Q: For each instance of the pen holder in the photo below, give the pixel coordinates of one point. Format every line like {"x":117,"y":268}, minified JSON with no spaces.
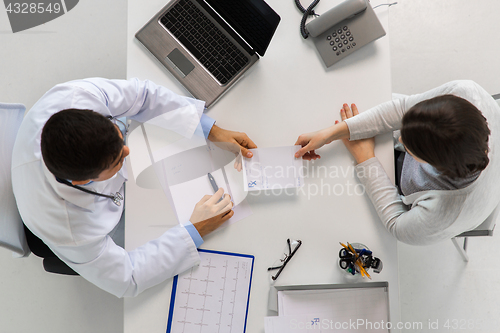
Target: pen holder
{"x":347,"y":262}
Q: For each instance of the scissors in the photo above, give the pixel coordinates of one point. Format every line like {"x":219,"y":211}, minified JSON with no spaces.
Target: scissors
{"x":347,"y":260}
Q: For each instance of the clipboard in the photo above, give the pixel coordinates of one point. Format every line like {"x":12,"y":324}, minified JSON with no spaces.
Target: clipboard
{"x":214,"y":294}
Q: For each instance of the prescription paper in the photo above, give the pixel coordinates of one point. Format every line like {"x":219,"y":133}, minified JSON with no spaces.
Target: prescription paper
{"x":273,"y":168}
{"x":184,"y":179}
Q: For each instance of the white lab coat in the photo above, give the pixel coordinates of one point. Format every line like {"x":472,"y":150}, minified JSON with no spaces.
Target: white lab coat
{"x":75,"y":225}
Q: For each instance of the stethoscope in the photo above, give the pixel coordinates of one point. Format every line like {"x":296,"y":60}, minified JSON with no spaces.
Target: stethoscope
{"x":117,"y":197}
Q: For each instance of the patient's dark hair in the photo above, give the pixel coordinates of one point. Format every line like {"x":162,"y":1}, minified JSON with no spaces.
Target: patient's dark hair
{"x":79,"y":144}
{"x":449,"y":133}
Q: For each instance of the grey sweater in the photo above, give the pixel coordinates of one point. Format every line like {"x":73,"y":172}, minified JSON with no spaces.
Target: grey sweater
{"x":416,"y":177}
{"x":426,"y":217}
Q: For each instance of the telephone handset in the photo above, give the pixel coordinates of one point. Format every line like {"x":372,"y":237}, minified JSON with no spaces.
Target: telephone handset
{"x":344,"y":11}
{"x":341,"y":30}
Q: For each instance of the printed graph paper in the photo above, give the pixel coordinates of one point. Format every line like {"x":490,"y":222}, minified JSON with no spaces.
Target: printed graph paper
{"x":212,"y":297}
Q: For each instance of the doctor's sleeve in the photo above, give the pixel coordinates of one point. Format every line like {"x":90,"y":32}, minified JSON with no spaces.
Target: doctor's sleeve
{"x":144,"y":101}
{"x":127,"y":274}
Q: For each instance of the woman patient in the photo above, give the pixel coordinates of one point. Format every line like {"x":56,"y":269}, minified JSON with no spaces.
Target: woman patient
{"x":450,"y":171}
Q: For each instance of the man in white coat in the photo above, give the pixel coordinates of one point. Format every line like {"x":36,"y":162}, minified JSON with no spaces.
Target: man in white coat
{"x":68,"y":174}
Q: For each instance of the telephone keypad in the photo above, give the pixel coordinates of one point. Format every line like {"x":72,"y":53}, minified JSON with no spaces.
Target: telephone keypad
{"x":344,"y":39}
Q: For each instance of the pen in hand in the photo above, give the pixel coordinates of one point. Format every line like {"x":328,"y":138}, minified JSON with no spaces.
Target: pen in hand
{"x":214,"y":185}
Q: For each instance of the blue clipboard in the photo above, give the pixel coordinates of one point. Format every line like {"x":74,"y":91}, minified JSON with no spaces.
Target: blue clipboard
{"x":176,"y":282}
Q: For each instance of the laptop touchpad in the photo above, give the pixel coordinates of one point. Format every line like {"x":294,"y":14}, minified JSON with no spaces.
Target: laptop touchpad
{"x":179,"y":63}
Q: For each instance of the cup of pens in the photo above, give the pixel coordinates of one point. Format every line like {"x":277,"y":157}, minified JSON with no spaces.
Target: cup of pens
{"x":356,"y":260}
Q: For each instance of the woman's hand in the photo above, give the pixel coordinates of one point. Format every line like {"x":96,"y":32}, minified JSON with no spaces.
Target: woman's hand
{"x":315,"y":140}
{"x":310,"y":142}
{"x":363,"y":149}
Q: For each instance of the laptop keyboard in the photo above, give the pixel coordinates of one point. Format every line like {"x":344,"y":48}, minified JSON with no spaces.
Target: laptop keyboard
{"x":204,"y":40}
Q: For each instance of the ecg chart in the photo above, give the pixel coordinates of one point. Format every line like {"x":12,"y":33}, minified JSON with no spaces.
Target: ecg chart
{"x":212,"y":297}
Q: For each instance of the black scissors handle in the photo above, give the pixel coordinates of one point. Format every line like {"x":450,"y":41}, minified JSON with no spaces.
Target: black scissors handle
{"x":344,"y":263}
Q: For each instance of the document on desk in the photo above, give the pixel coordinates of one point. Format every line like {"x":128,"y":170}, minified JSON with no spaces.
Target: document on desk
{"x":327,"y":310}
{"x":212,"y":297}
{"x":180,"y":166}
{"x":185,"y":194}
{"x":273,"y":168}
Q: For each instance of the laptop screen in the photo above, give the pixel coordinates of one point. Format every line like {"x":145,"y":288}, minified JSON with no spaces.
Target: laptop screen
{"x":253,"y":20}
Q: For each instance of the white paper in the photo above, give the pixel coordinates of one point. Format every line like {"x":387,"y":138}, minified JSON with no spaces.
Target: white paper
{"x":163,"y":136}
{"x":295,"y":324}
{"x":180,"y":166}
{"x":273,"y":168}
{"x":188,"y":194}
{"x":236,"y":183}
{"x":328,"y":309}
{"x":213,"y":296}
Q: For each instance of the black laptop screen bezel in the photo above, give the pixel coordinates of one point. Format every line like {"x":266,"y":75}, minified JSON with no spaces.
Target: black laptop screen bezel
{"x":259,"y":8}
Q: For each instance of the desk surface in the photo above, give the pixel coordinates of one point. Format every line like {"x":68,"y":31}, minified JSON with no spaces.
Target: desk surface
{"x":286,"y":93}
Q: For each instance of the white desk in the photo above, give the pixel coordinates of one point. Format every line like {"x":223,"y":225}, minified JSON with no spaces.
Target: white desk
{"x":287,"y":93}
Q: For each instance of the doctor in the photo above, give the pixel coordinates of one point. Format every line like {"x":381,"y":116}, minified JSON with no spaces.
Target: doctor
{"x":68,"y":175}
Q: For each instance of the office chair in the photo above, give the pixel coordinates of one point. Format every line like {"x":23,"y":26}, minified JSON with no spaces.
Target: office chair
{"x":13,"y":234}
{"x":484,"y":229}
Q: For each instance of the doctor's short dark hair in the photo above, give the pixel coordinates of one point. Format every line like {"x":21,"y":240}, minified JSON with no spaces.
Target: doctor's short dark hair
{"x":79,"y":144}
{"x":449,"y":133}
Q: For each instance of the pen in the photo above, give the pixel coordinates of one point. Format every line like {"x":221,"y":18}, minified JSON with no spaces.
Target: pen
{"x":357,"y":260}
{"x":214,"y":184}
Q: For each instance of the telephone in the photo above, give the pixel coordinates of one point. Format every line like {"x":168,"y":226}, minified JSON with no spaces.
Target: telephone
{"x":342,"y":30}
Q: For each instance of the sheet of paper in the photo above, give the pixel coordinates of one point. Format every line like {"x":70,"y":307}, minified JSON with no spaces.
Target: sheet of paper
{"x":183,"y":178}
{"x":331,"y":306}
{"x":163,"y":136}
{"x":186,"y":195}
{"x":212,"y":297}
{"x":236,"y":182}
{"x":317,"y":323}
{"x":273,"y":168}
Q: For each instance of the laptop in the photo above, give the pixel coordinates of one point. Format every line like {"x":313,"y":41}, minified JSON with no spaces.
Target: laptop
{"x":208,"y":45}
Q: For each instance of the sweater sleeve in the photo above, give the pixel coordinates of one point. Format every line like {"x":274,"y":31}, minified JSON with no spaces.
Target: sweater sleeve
{"x":419,"y":225}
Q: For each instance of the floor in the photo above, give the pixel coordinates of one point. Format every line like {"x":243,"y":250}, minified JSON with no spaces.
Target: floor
{"x":432,"y":42}
{"x":32,"y":62}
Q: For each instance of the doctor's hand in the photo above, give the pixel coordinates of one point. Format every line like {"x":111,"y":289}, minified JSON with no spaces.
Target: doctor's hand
{"x":209,"y":214}
{"x":232,"y":141}
{"x":363,"y":149}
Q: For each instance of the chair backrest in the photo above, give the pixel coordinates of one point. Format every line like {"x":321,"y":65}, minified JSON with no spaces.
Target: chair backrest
{"x":12,"y":234}
{"x":484,"y":229}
